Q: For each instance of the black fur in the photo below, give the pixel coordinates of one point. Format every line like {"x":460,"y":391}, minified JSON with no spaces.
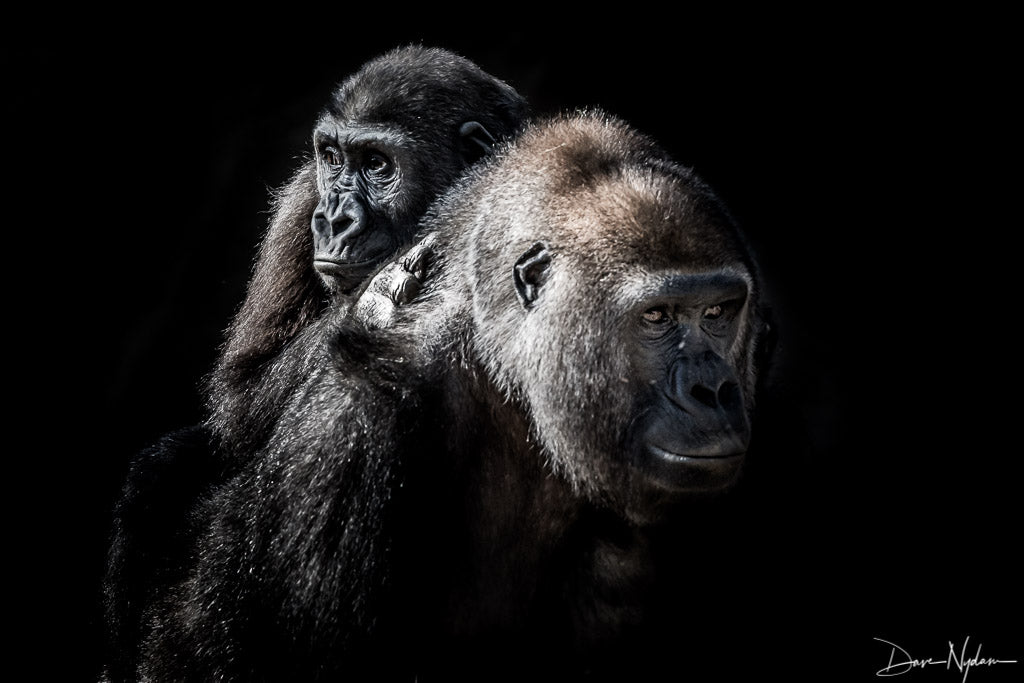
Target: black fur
{"x":467,"y":501}
{"x":424,"y":94}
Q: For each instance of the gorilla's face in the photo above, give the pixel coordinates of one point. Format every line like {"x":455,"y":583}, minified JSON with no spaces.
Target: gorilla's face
{"x":653,"y":391}
{"x":360,"y":218}
{"x":394,"y":136}
{"x":691,"y":428}
{"x":638,"y":378}
{"x":621,"y":307}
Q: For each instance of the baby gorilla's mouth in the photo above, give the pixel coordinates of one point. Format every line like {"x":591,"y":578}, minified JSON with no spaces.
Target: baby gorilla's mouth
{"x":342,"y":268}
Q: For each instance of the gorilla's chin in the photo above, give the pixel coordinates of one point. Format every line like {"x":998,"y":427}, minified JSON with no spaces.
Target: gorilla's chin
{"x":340,"y":277}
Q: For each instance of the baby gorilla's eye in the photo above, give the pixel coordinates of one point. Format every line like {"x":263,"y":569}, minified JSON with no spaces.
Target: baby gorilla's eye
{"x":656,"y":315}
{"x":376,"y":162}
{"x":331,"y":157}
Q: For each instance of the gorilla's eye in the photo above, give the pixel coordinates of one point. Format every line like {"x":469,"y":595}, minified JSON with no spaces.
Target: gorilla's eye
{"x":332,"y":157}
{"x":656,"y":316}
{"x":377,"y":163}
{"x":712,"y":312}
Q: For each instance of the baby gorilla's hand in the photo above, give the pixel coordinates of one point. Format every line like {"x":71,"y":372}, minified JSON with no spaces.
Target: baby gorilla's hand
{"x":408,"y":280}
{"x":397,"y":284}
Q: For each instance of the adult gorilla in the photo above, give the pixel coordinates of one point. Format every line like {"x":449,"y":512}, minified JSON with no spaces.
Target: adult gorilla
{"x":474,"y":490}
{"x":395,"y":135}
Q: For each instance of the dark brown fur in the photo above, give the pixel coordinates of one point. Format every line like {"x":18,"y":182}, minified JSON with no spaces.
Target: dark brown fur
{"x":463,"y":502}
{"x":426,"y":94}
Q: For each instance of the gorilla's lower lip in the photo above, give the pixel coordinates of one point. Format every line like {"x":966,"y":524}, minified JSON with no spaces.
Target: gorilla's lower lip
{"x":694,"y":472}
{"x":342,"y":268}
{"x":688,"y":457}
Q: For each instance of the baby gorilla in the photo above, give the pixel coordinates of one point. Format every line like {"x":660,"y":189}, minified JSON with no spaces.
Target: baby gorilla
{"x":394,"y":135}
{"x":475,"y":497}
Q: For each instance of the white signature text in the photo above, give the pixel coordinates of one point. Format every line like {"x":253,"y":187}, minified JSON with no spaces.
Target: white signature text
{"x":900,"y":661}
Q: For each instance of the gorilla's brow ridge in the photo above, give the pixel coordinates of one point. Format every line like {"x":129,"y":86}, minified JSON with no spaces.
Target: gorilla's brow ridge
{"x":361,"y":136}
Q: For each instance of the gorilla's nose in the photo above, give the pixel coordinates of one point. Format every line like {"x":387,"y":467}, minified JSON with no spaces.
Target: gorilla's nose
{"x":339,"y":219}
{"x":348,"y":220}
{"x":704,"y":385}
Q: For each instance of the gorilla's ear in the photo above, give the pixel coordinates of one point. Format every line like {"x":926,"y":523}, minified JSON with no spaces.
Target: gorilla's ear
{"x":475,"y":141}
{"x":531,"y":272}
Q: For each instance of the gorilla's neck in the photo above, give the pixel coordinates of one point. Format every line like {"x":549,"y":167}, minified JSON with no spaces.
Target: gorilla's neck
{"x":532,"y":552}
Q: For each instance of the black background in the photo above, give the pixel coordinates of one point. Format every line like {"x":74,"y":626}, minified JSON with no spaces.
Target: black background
{"x":145,"y":148}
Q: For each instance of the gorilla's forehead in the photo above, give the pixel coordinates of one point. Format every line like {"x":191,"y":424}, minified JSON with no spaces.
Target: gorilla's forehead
{"x":732,"y":281}
{"x":666,"y":228}
{"x":360,"y":134}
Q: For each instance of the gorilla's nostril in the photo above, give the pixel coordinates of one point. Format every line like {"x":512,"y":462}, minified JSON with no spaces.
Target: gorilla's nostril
{"x":340,"y":225}
{"x":704,"y":395}
{"x":729,"y":396}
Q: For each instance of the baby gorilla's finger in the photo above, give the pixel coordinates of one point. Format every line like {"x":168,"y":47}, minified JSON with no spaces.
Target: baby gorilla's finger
{"x":405,"y":287}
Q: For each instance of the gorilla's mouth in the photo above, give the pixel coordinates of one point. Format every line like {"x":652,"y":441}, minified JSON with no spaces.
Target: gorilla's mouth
{"x":345,"y":275}
{"x":343,"y":268}
{"x":711,"y":454}
{"x":713,"y":468}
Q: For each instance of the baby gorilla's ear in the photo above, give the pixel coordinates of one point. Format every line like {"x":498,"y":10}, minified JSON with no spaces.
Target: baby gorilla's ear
{"x":530,"y":272}
{"x":397,"y":284}
{"x":475,"y":141}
